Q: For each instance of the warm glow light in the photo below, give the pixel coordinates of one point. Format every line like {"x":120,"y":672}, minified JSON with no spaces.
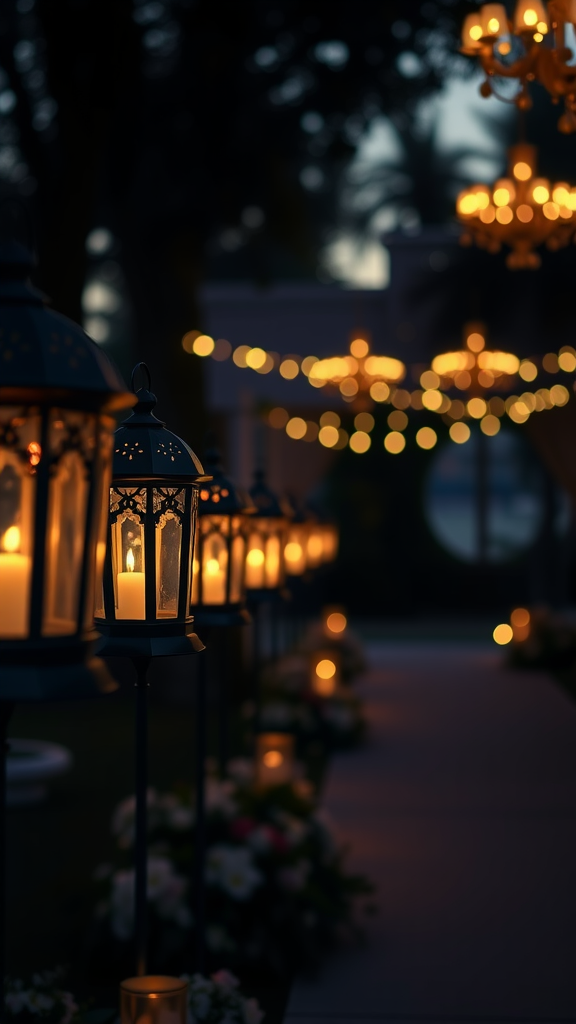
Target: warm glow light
{"x":394,"y":442}
{"x":289,"y":369}
{"x":467,"y":203}
{"x":559,"y":395}
{"x":567,"y":362}
{"x":330,"y":419}
{"x":397,"y":420}
{"x":525,"y":213}
{"x":379,"y":391}
{"x":490,"y":425}
{"x":540,"y":194}
{"x":328,"y":436}
{"x":504,"y":215}
{"x":477,"y":408}
{"x":11,"y":540}
{"x":255,"y":557}
{"x":475,"y":32}
{"x":360,"y":442}
{"x":325,"y":669}
{"x":493,"y":26}
{"x":429,"y":380}
{"x":385,"y":366}
{"x":212,"y":567}
{"x":293,"y":552}
{"x":255,"y":358}
{"x":364,"y":421}
{"x":528,"y":371}
{"x":239,"y":356}
{"x":503,"y":634}
{"x":359,"y":348}
{"x":203,"y":345}
{"x":520,"y":617}
{"x":336,"y":622}
{"x":296,"y":428}
{"x":307,"y":364}
{"x":522,"y":171}
{"x":130,"y":560}
{"x":426,"y":438}
{"x":272,"y":758}
{"x":349,"y":387}
{"x":488,"y":215}
{"x":278,"y":418}
{"x":459,"y":432}
{"x":501,"y":197}
{"x":432,"y":400}
{"x":475,"y":341}
{"x":551,"y":211}
{"x":530,"y":17}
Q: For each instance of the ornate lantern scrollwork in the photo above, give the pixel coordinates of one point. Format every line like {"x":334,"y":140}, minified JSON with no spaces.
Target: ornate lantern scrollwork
{"x":145,"y":605}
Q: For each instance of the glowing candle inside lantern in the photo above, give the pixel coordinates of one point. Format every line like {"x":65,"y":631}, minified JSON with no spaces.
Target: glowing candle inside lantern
{"x":131,"y":591}
{"x":255,"y":569}
{"x":15,"y":572}
{"x":153,"y":999}
{"x":213,"y":582}
{"x":325,"y":676}
{"x":295,"y":558}
{"x":275,"y":758}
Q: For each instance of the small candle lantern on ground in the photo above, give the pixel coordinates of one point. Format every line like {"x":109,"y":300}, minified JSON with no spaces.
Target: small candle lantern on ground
{"x":56,"y":390}
{"x":274,"y":758}
{"x":155,"y":999}
{"x":145,"y":605}
{"x":325,"y":673}
{"x":218,"y":587}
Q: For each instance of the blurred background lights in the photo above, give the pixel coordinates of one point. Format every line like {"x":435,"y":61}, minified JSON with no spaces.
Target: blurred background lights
{"x":336,"y":622}
{"x":503,"y":634}
{"x":477,"y":408}
{"x":397,"y":420}
{"x":379,"y":391}
{"x":255,"y":358}
{"x":360,"y":442}
{"x":364,"y":421}
{"x":203,"y":345}
{"x":567,"y":360}
{"x":528,"y":370}
{"x":296,"y":428}
{"x":359,"y":348}
{"x":330,"y":419}
{"x":326,"y":669}
{"x":459,"y":432}
{"x":222,"y":350}
{"x":239,"y":356}
{"x":520,"y":617}
{"x":426,"y":438}
{"x":490,"y":425}
{"x":394,"y":442}
{"x":278,"y":418}
{"x":99,"y":241}
{"x":328,"y":436}
{"x":289,"y":369}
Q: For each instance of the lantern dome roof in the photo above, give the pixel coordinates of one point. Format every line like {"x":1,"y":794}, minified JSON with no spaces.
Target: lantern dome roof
{"x":144,"y":447}
{"x":221,"y":496}
{"x":263,"y":498}
{"x":44,"y":356}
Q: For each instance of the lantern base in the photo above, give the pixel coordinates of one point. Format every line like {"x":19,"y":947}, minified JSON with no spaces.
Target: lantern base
{"x":226,"y":615}
{"x":46,"y":682}
{"x":122,"y":646}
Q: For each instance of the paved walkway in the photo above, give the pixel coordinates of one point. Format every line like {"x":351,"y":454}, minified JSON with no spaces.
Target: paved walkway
{"x":462,"y":808}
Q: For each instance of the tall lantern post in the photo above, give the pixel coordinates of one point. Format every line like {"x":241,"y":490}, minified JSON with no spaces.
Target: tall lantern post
{"x":143,"y":610}
{"x":57,"y":389}
{"x":218,"y":602}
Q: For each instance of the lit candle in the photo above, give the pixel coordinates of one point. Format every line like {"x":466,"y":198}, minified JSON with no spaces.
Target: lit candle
{"x":131,"y":591}
{"x":15,"y":571}
{"x":275,"y":758}
{"x":153,"y":999}
{"x":255,"y":569}
{"x":213,"y":583}
{"x":325,"y":673}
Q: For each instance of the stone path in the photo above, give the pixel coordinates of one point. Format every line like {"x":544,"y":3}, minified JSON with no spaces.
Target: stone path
{"x":462,"y":808}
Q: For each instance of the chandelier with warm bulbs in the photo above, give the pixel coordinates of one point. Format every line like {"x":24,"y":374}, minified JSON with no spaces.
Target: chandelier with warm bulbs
{"x":530,"y":47}
{"x":359,"y":373}
{"x":520,"y":211}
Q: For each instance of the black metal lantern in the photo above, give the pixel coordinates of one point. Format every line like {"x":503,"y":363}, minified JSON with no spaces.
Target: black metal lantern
{"x":266,"y":532}
{"x":56,"y":388}
{"x":218,"y":589}
{"x":144,"y":609}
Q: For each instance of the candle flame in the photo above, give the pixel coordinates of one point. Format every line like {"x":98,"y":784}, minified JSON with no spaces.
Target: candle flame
{"x":130,"y":560}
{"x":272,"y":759}
{"x":11,"y":539}
{"x":255,"y":557}
{"x":212,"y":566}
{"x":325,"y":669}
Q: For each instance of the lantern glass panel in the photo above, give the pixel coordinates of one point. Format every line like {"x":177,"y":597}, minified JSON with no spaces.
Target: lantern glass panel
{"x":264,"y":562}
{"x":295,"y":550}
{"x":102,"y":484}
{"x":315,"y":547}
{"x":238,"y":561}
{"x":214,"y":558}
{"x":127,"y":533}
{"x":66,"y":528}
{"x":169,"y":504}
{"x":19,"y":455}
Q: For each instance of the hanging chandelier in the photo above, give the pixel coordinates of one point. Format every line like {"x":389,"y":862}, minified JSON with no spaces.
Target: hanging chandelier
{"x":520,"y":211}
{"x":359,"y":373}
{"x":529,"y":48}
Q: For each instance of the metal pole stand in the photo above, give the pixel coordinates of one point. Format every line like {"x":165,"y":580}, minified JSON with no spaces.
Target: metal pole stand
{"x":141,"y":665}
{"x":6,"y":710}
{"x":198,"y":867}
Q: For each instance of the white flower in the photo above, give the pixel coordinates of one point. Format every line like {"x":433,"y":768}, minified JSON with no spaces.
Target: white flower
{"x":219,"y":797}
{"x":166,"y":890}
{"x":232,"y":869}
